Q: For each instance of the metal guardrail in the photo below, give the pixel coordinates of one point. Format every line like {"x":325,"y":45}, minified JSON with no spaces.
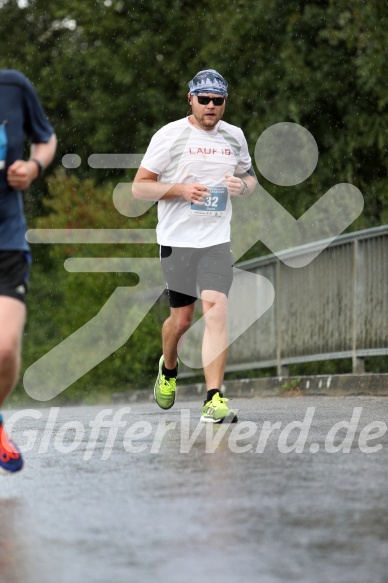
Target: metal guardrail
{"x":335,"y":307}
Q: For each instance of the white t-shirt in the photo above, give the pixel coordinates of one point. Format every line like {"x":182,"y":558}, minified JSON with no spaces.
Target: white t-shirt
{"x":182,"y":153}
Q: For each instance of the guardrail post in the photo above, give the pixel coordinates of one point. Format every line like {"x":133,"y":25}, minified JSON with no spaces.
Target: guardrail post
{"x":358,"y":363}
{"x":281,"y":369}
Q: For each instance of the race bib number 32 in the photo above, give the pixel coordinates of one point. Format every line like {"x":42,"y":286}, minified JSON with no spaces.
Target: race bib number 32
{"x":215,"y":203}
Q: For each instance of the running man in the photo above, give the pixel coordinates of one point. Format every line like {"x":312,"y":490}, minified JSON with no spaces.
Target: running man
{"x":193,"y":167}
{"x":21,"y":115}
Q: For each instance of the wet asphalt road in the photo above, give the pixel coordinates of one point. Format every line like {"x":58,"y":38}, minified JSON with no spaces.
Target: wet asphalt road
{"x":160,"y":502}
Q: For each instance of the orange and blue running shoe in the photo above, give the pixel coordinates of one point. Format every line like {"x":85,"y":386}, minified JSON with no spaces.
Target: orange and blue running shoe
{"x":10,"y":457}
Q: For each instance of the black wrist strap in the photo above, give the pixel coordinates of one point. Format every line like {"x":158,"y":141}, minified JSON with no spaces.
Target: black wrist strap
{"x":40,"y":166}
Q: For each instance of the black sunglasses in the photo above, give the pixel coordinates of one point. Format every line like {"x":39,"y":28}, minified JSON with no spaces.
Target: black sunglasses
{"x":206,"y":100}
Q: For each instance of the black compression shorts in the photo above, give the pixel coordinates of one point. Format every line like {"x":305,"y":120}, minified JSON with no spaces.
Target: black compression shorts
{"x":14,"y":272}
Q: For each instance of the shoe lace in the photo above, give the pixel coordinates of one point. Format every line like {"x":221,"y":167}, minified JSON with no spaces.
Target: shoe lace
{"x":167,"y":386}
{"x":217,"y":400}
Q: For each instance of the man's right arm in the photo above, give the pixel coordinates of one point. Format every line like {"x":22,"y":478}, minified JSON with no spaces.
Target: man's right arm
{"x":147,"y":187}
{"x":21,"y":173}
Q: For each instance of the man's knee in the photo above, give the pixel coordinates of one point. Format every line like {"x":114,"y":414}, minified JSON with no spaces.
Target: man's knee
{"x":215,"y":307}
{"x":9,"y":353}
{"x":181,"y":319}
{"x":183,"y":324}
{"x":216,"y":317}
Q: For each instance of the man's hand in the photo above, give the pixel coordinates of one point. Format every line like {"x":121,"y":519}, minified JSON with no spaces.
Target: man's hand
{"x":195,"y":193}
{"x":234,"y":185}
{"x":20,"y":174}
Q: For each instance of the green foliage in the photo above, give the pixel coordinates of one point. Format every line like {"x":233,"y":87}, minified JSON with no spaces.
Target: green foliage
{"x":112,"y":72}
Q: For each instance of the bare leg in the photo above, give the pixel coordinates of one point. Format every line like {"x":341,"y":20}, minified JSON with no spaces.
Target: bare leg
{"x":215,"y":339}
{"x":12,"y":318}
{"x":173,"y":329}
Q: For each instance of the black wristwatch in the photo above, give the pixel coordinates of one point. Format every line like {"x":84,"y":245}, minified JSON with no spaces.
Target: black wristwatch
{"x":40,"y":166}
{"x":245,"y":187}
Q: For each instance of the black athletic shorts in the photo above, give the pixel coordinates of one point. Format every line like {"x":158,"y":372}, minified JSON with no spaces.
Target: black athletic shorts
{"x":14,"y":272}
{"x":188,"y":271}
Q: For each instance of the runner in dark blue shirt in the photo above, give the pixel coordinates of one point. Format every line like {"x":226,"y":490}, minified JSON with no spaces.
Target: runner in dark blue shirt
{"x":21,"y":117}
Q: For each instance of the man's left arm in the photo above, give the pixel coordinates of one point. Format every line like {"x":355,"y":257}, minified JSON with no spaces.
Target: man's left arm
{"x":22,"y":172}
{"x":244,"y":181}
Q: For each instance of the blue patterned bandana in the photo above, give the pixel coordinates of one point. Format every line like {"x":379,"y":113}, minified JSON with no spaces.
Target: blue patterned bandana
{"x":208,"y":81}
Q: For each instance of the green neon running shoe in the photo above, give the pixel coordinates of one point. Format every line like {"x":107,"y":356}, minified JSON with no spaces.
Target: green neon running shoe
{"x":164,"y":389}
{"x":217,"y":411}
